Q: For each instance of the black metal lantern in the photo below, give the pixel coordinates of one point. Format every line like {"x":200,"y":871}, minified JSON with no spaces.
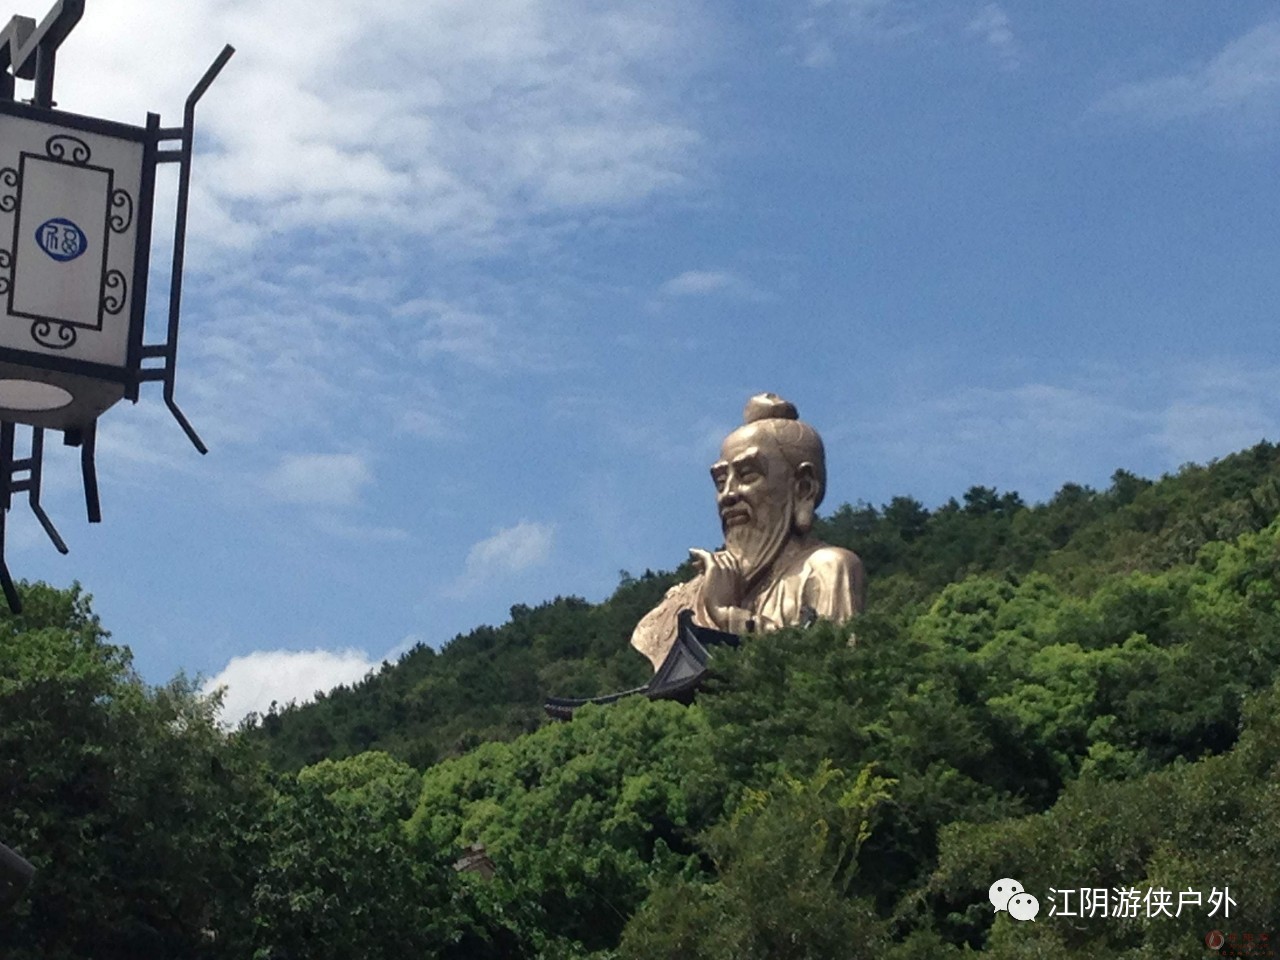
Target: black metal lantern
{"x":76,"y":197}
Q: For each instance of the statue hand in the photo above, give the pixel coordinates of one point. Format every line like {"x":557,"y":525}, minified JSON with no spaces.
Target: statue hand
{"x":722,"y":583}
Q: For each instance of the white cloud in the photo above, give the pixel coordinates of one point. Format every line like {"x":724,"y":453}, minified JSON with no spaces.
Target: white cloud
{"x":993,"y":26}
{"x":424,"y":424}
{"x":255,"y":680}
{"x":457,"y":121}
{"x":322,"y":171}
{"x":459,"y":334}
{"x":1035,"y":436}
{"x":357,"y":166}
{"x":663,"y":431}
{"x":824,"y":23}
{"x":865,"y":16}
{"x":268,"y":364}
{"x":824,"y":26}
{"x":361,"y":532}
{"x":707,"y":283}
{"x":333,"y":479}
{"x":510,"y":550}
{"x":410,"y":641}
{"x":1243,"y":78}
{"x":1219,"y":407}
{"x":699,"y":282}
{"x":1196,"y":432}
{"x":144,"y":437}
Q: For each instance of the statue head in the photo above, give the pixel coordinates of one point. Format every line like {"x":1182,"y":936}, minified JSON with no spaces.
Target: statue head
{"x":770,"y":479}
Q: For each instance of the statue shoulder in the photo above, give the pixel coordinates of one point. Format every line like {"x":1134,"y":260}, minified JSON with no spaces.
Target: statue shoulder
{"x":825,"y":556}
{"x":840,"y":581}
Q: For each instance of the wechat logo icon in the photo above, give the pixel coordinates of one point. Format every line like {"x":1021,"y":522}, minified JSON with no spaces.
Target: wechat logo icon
{"x":1008,"y":895}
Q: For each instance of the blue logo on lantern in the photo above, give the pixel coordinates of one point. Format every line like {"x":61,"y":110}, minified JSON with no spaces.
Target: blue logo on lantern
{"x":61,"y":239}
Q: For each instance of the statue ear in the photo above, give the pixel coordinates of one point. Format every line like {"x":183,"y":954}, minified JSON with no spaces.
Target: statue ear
{"x":804,"y":489}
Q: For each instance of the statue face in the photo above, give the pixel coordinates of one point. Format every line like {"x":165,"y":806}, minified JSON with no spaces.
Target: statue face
{"x":754,"y":493}
{"x":751,"y":476}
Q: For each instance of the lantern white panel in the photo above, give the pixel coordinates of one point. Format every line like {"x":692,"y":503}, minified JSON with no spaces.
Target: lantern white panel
{"x":59,"y":276}
{"x":69,"y":205}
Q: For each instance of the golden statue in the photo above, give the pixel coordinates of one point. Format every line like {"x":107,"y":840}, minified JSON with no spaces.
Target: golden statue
{"x":771,"y":572}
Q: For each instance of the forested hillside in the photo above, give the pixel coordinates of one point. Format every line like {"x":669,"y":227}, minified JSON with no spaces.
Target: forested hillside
{"x":489,"y":684}
{"x":1079,"y":694}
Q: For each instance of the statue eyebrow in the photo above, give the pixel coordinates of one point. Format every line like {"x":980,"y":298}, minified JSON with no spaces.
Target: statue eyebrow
{"x":749,"y":459}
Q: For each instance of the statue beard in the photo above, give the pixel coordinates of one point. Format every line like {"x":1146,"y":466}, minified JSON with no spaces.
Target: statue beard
{"x":756,"y":545}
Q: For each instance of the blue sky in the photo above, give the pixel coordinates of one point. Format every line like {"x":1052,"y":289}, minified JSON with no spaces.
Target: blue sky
{"x":475,"y":288}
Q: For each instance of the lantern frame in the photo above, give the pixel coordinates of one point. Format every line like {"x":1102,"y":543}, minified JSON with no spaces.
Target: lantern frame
{"x":128,"y":374}
{"x":28,"y":52}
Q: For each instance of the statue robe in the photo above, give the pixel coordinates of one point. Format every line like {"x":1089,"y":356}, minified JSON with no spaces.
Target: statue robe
{"x":808,"y":575}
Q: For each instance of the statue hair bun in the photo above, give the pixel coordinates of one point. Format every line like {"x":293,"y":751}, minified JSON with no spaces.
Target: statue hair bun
{"x":768,"y":406}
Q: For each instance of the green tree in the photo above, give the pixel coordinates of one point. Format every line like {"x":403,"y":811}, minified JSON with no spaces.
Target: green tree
{"x":135,"y":808}
{"x":1192,"y":826}
{"x":785,"y":861}
{"x":341,"y":877}
{"x":579,"y":817}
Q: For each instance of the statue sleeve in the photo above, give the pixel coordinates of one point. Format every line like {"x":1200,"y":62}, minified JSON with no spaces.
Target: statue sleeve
{"x":655,"y":634}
